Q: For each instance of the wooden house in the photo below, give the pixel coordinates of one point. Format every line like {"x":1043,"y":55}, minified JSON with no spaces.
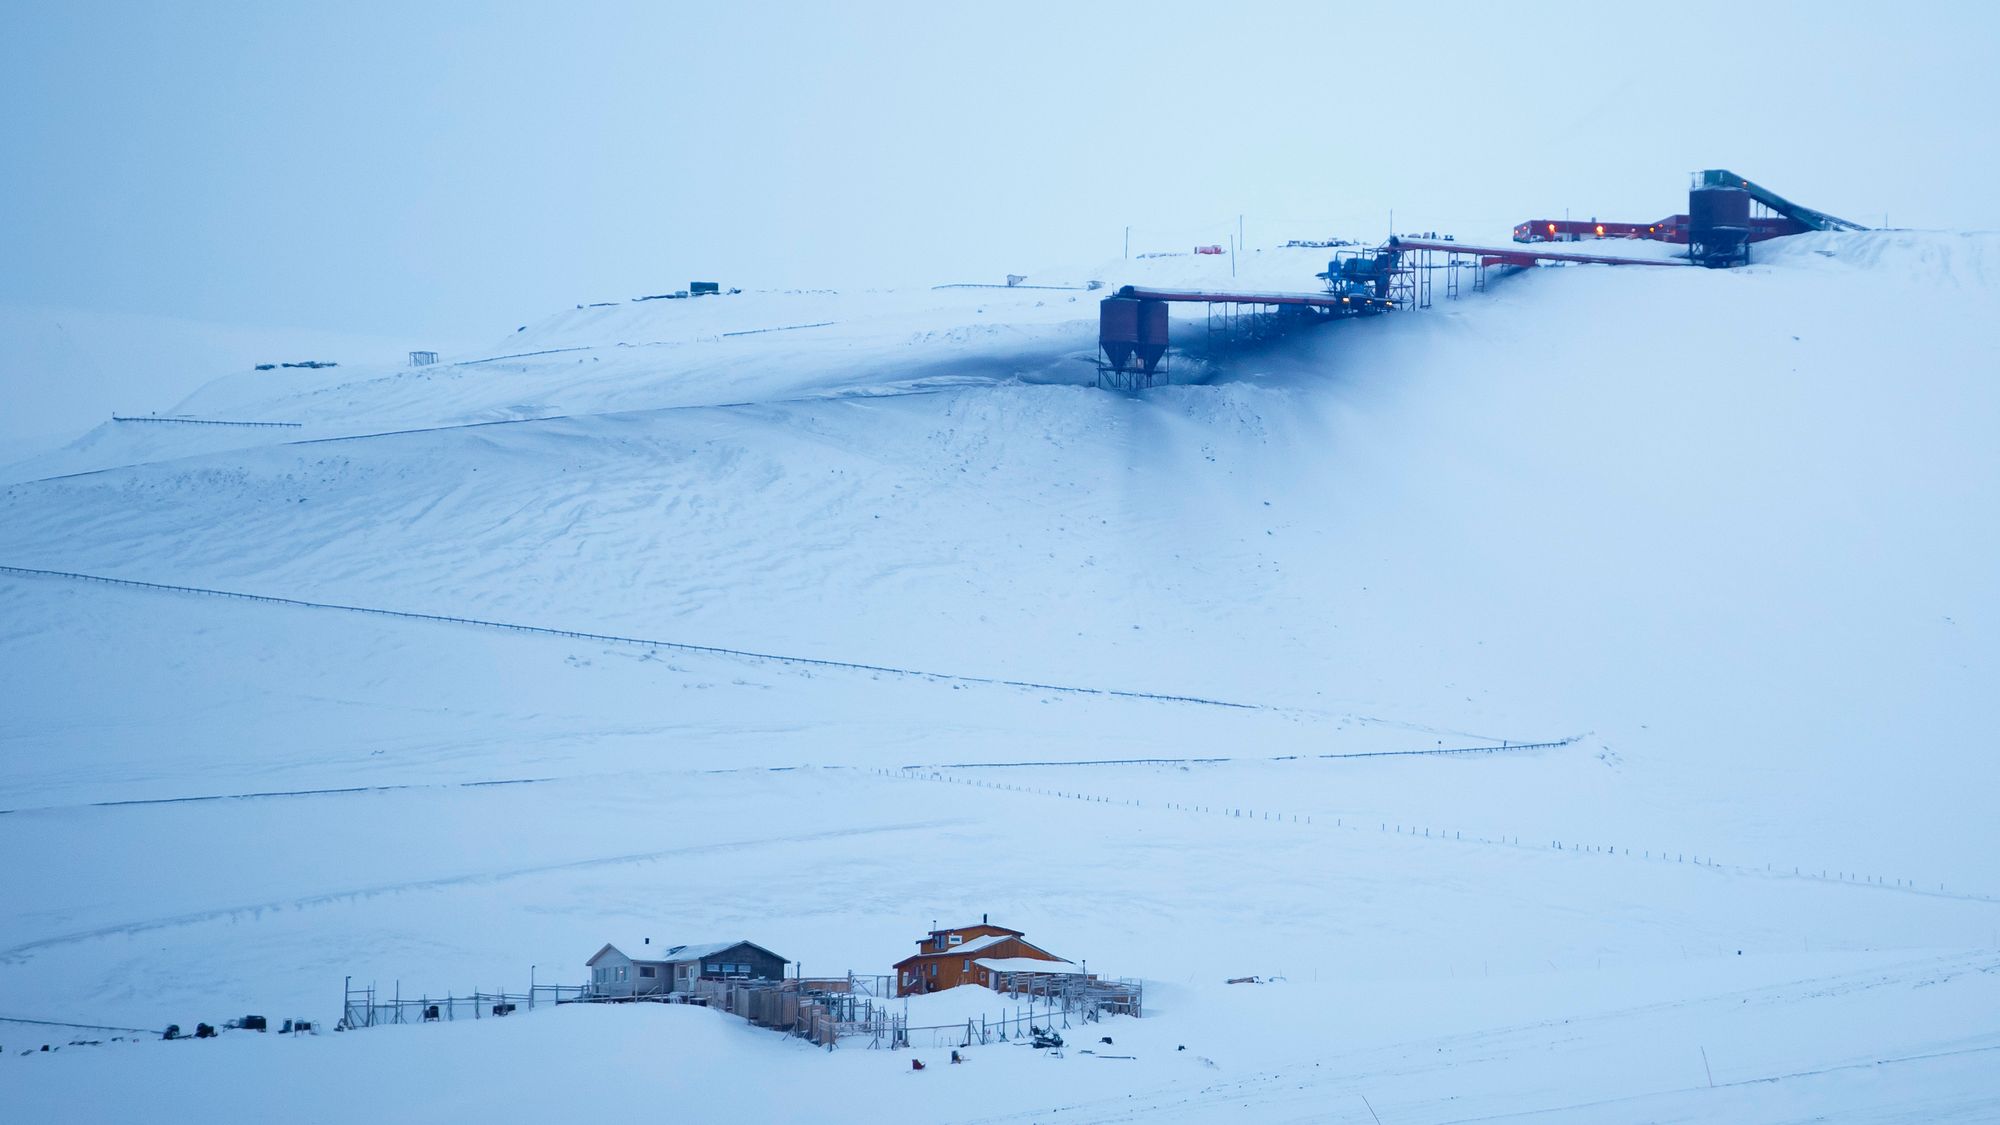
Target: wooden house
{"x":950,"y":957}
{"x":644,"y":968}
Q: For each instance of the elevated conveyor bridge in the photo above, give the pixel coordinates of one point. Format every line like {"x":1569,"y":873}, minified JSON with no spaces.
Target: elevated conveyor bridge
{"x":1798,"y":213}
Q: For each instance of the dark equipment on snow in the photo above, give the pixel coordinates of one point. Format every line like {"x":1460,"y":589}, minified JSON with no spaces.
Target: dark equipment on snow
{"x":430,"y":1013}
{"x":1045,"y":1038}
{"x":255,"y":1023}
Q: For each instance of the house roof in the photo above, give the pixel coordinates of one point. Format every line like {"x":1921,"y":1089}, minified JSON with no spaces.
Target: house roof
{"x":1026,"y":965}
{"x":979,"y":943}
{"x":971,"y":926}
{"x":969,"y":948}
{"x":648,"y":954}
{"x":662,"y":953}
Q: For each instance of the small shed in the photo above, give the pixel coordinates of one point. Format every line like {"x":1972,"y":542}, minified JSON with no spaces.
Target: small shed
{"x":644,"y":968}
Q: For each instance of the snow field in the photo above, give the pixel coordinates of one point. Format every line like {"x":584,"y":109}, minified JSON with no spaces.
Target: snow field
{"x":1727,"y":531}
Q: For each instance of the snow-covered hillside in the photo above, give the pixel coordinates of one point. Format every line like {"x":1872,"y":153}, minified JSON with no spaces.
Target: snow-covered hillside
{"x":1717,"y":544}
{"x":67,"y":369}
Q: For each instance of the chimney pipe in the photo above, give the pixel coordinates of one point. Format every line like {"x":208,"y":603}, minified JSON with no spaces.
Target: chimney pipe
{"x":982,"y":919}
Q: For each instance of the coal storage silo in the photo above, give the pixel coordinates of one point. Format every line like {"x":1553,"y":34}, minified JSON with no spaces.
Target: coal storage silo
{"x":1718,"y":226}
{"x":1118,"y":330}
{"x":1152,"y":334}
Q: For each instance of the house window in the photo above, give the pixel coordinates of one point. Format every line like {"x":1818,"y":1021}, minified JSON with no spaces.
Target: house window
{"x":646,"y":971}
{"x":933,"y":968}
{"x":966,"y":967}
{"x":621,"y":972}
{"x":958,"y":939}
{"x":713,"y":968}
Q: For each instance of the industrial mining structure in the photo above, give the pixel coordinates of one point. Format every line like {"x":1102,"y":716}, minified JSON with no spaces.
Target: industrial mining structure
{"x":1726,"y":213}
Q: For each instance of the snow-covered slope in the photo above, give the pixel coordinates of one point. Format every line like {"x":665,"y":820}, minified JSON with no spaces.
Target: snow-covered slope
{"x":66,"y":369}
{"x":1724,"y":537}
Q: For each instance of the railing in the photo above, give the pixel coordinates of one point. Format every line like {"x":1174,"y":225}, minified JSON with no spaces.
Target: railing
{"x":366,"y":1007}
{"x":822,"y":1011}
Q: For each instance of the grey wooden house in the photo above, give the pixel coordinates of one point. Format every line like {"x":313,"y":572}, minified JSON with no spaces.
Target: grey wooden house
{"x":647,"y":968}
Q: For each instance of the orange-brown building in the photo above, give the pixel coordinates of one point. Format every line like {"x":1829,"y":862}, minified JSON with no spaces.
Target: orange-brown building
{"x":951,"y":957}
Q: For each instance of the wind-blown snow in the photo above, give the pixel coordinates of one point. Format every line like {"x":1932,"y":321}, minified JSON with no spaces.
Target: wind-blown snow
{"x":1723,"y":537}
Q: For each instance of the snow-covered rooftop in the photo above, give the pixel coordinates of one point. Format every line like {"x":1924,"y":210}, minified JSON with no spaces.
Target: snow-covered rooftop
{"x":1026,"y":965}
{"x":975,"y":945}
{"x":660,"y":951}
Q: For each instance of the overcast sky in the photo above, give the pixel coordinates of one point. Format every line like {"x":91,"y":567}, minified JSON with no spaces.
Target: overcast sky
{"x":447,"y":171}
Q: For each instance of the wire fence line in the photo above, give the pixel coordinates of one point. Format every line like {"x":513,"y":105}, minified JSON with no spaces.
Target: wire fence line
{"x":833,"y":396}
{"x":274,"y":794}
{"x":200,"y":421}
{"x":780,"y":328}
{"x":80,"y":1026}
{"x":519,"y":355}
{"x":644,"y":642}
{"x":366,"y":1007}
{"x":1690,"y":857}
{"x":1059,"y":1003}
{"x":1501,"y":748}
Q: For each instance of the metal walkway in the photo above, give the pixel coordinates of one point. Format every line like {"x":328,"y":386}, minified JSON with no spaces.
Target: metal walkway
{"x":1523,"y":255}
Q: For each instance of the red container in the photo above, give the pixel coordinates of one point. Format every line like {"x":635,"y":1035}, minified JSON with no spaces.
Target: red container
{"x":1118,"y":329}
{"x":1152,"y":333}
